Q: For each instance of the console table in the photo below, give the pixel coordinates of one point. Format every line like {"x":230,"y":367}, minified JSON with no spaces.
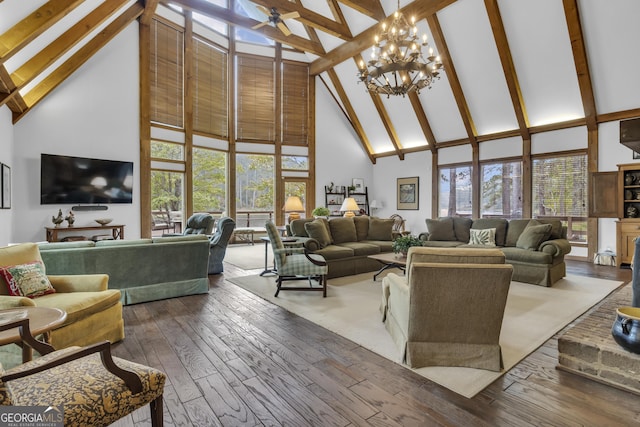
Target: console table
{"x":117,"y":231}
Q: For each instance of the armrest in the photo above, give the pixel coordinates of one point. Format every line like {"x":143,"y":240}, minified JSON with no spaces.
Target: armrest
{"x":9,"y":301}
{"x":398,"y":299}
{"x":555,"y":247}
{"x":80,"y":283}
{"x":311,"y":244}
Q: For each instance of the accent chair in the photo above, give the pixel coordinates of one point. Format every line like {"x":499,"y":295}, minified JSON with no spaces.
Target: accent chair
{"x":219,"y":242}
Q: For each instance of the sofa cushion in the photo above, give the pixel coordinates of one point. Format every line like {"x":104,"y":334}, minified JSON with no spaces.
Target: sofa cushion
{"x":335,"y":252}
{"x":362,"y":226}
{"x":533,"y":235}
{"x":517,"y":255}
{"x":318,"y":230}
{"x":556,"y":227}
{"x":27,"y":280}
{"x":482,"y":237}
{"x":441,"y":229}
{"x":461,"y":227}
{"x":297,"y":227}
{"x":500,"y":224}
{"x":44,"y":246}
{"x":515,"y":229}
{"x":362,"y":249}
{"x":380,"y":229}
{"x":342,"y":230}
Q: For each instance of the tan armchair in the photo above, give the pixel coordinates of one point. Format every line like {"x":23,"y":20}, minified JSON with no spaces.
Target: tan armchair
{"x":448,"y":309}
{"x":94,"y":312}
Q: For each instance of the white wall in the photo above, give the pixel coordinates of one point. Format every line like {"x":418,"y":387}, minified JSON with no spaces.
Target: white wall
{"x":339,"y":155}
{"x":94,"y":113}
{"x":6,"y":156}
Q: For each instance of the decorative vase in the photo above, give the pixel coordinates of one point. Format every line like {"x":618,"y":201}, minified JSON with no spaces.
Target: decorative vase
{"x":628,"y":194}
{"x":629,"y":179}
{"x":632,"y":212}
{"x":626,"y":328}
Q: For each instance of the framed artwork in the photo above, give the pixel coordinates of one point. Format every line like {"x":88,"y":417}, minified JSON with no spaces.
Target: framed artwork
{"x":359,"y":184}
{"x":408,"y":193}
{"x":6,"y":187}
{"x":636,"y":155}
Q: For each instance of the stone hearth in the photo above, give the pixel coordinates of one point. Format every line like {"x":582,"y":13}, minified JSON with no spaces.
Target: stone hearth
{"x":588,"y":349}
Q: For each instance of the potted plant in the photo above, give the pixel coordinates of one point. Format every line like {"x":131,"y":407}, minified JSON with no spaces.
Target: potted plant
{"x":320,"y":211}
{"x":403,"y":243}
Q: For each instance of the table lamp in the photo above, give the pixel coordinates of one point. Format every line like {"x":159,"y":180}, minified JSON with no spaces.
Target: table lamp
{"x":293,"y":206}
{"x":375,"y":205}
{"x":349,"y":206}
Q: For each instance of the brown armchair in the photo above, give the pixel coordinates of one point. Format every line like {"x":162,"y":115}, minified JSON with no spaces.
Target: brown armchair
{"x":448,"y":309}
{"x":92,"y":387}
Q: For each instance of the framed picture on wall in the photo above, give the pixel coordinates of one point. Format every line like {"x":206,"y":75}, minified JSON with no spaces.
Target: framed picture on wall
{"x":6,"y":187}
{"x":358,"y":183}
{"x":408,"y":193}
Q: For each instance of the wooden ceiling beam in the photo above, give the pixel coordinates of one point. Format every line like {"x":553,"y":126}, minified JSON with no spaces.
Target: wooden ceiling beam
{"x":150,"y":7}
{"x":371,"y":8}
{"x":35,"y":95}
{"x":420,"y":9}
{"x":580,"y":59}
{"x":509,"y":69}
{"x":309,"y":17}
{"x":33,"y":25}
{"x":226,"y":15}
{"x":452,"y":76}
{"x":384,"y":117}
{"x":619,"y":115}
{"x":357,"y":126}
{"x":47,"y":56}
{"x":9,"y":93}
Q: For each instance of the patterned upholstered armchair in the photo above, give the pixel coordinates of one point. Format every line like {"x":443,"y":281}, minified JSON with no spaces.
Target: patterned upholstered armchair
{"x":295,"y":263}
{"x":93,"y":388}
{"x":219,"y":242}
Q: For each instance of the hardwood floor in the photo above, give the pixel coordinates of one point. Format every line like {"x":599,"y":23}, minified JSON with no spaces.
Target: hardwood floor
{"x":233,"y":359}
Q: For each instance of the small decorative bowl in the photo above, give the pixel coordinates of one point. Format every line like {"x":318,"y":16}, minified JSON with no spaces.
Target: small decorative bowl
{"x":103,"y":221}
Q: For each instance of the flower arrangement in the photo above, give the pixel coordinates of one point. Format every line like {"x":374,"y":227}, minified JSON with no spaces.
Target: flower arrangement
{"x":320,"y":211}
{"x":403,"y":243}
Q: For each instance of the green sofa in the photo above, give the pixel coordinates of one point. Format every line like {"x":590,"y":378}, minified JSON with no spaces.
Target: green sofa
{"x":142,"y":269}
{"x":537,"y":256}
{"x":345,"y":242}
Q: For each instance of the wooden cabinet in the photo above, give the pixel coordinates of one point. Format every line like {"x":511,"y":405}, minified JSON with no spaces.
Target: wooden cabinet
{"x":603,"y":203}
{"x":362,"y":198}
{"x":333,"y":198}
{"x":628,"y":226}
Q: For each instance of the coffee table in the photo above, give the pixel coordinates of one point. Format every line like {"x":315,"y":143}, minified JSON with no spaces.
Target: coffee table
{"x":389,"y":260}
{"x":42,"y":320}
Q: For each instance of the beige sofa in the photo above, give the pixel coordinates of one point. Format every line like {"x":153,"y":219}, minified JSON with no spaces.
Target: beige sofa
{"x":345,"y":242}
{"x":448,"y":308}
{"x":535,"y":247}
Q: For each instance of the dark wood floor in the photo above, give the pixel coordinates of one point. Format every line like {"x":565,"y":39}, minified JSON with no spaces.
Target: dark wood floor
{"x":235,"y":359}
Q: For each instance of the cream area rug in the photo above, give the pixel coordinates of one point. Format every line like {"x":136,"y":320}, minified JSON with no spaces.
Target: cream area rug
{"x":248,"y":257}
{"x":351,"y":309}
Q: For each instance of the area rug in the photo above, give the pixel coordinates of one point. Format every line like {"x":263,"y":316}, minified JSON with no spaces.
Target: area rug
{"x":248,"y":257}
{"x":533,"y":315}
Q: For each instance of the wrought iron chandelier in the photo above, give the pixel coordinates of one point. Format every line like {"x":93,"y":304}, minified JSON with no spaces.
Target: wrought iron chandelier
{"x":397,"y":66}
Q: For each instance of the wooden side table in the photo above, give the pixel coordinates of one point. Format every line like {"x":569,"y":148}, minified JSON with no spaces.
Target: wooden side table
{"x":42,"y":320}
{"x":117,"y":231}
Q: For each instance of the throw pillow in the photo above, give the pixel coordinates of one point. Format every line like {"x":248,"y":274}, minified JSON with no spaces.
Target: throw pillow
{"x":317,"y":230}
{"x":441,"y":229}
{"x":343,"y":230}
{"x":27,"y":280}
{"x":482,"y":237}
{"x":533,"y":236}
{"x":380,"y":229}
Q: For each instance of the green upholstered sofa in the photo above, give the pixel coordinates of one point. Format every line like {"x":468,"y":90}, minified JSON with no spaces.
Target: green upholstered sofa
{"x":537,"y":256}
{"x":347,"y":242}
{"x":142,"y":269}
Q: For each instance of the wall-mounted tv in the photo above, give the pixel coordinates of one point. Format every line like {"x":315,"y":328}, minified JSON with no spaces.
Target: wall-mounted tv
{"x":80,"y":180}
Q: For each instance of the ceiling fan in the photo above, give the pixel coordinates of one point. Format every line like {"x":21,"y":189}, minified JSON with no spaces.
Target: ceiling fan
{"x":276,"y":19}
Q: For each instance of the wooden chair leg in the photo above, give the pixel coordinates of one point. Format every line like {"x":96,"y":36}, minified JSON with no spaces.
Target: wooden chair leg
{"x":323,"y":278}
{"x":278,"y":283}
{"x":157,"y":412}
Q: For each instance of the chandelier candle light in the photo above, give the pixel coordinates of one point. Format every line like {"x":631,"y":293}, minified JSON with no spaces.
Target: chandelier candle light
{"x":397,"y":66}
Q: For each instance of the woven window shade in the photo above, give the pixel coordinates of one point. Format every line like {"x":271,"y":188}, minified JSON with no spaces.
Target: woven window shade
{"x":256,"y":99}
{"x":210,"y":107}
{"x":295,"y":103}
{"x":167,"y":47}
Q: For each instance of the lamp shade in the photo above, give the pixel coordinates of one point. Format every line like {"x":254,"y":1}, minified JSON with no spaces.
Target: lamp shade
{"x":349,"y":205}
{"x":376,"y":204}
{"x":293,"y":204}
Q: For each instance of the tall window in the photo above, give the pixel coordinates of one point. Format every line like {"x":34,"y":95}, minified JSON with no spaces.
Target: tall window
{"x":166,"y":74}
{"x":256,"y":100}
{"x":255,"y":181}
{"x":210,"y":98}
{"x":501,"y":194}
{"x":560,"y":190}
{"x":209,"y":180}
{"x":454,"y":191}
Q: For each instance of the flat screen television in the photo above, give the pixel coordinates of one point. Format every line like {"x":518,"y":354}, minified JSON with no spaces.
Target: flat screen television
{"x":80,"y":180}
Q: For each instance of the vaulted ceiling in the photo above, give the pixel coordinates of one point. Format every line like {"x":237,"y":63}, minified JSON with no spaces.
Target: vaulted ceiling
{"x":512,"y":68}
